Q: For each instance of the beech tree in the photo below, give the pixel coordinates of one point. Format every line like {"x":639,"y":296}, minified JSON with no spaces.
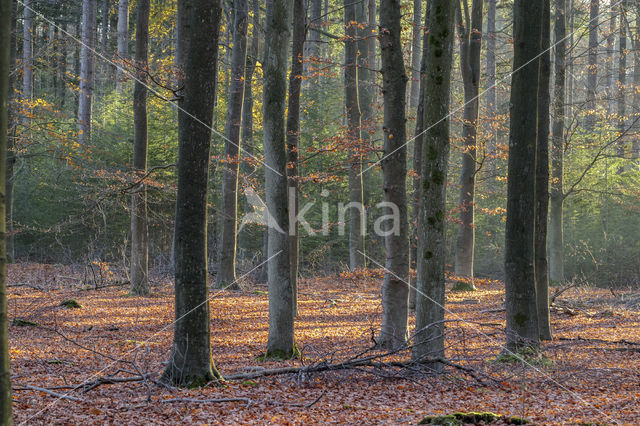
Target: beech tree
{"x":556,"y":240}
{"x":354,"y":137}
{"x":470,"y":28}
{"x":227,"y":248}
{"x":429,"y":335}
{"x":122,"y":39}
{"x":190,"y":363}
{"x":542,"y":177}
{"x":27,"y":51}
{"x":139,"y":224}
{"x":6,"y":417}
{"x":490,"y":96}
{"x":87,"y":65}
{"x":293,"y":137}
{"x":280,"y":343}
{"x":395,"y":292}
{"x":416,"y":55}
{"x":520,"y":284}
{"x":592,"y":70}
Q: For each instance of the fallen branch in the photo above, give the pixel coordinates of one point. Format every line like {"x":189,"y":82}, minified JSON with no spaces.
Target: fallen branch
{"x":610,"y":342}
{"x":87,"y":386}
{"x":47,"y":391}
{"x":212,"y":401}
{"x":562,"y":290}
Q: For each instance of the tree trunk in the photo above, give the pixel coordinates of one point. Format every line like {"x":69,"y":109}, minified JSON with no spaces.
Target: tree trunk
{"x":191,"y":364}
{"x":366,"y":93}
{"x":139,"y":226}
{"x":27,"y":54}
{"x":123,"y":40}
{"x":87,"y":62}
{"x":592,"y":68}
{"x":611,"y":82}
{"x":354,"y":137}
{"x":520,"y":282}
{"x":395,"y":292}
{"x":556,"y":240}
{"x":429,"y":335}
{"x":6,"y":417}
{"x":470,"y":48}
{"x":12,"y":131}
{"x":293,"y":137}
{"x":622,"y":78}
{"x":417,"y":155}
{"x":491,"y":98}
{"x":416,"y":36}
{"x":542,"y":178}
{"x":312,"y":45}
{"x":227,"y":249}
{"x":635,"y":147}
{"x":280,"y":342}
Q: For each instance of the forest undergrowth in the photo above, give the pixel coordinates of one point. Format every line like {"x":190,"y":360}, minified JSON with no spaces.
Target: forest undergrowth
{"x":99,"y":360}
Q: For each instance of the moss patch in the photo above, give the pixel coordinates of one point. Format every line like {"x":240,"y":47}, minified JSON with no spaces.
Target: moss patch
{"x":463,"y":286}
{"x":471,"y":418}
{"x":19,"y":322}
{"x":70,"y":304}
{"x":279,"y":354}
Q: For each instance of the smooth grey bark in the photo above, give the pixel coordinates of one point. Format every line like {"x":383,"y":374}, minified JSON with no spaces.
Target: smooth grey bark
{"x":520,"y":282}
{"x":139,"y":224}
{"x":27,"y":52}
{"x":470,"y":48}
{"x":280,"y":343}
{"x":227,"y":248}
{"x":429,"y":335}
{"x":191,"y":364}
{"x":635,"y":145}
{"x":611,"y":82}
{"x":122,"y":39}
{"x":366,"y":91}
{"x":293,"y":137}
{"x":491,"y":98}
{"x":313,"y":43}
{"x":417,"y":156}
{"x":87,"y":64}
{"x":354,"y":138}
{"x":6,"y":417}
{"x":416,"y":54}
{"x":395,"y":291}
{"x":542,"y":178}
{"x":592,"y":66}
{"x":556,"y":240}
{"x":622,"y":76}
{"x":12,"y":129}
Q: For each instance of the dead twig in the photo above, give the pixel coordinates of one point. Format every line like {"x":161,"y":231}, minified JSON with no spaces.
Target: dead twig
{"x":47,"y":391}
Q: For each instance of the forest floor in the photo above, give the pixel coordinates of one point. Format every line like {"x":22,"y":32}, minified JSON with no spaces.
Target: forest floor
{"x":590,"y":371}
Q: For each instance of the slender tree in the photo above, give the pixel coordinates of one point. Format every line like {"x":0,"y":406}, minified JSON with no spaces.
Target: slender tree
{"x":622,"y":76}
{"x":491,"y":98}
{"x":416,"y":55}
{"x":139,"y":224}
{"x":635,"y":147}
{"x":87,"y":64}
{"x":592,"y":68}
{"x":6,"y":417}
{"x":556,"y":240}
{"x":354,"y":136}
{"x":417,"y":155}
{"x":429,"y":336}
{"x":227,"y":248}
{"x":611,"y":81}
{"x":293,"y":136}
{"x":470,"y":47}
{"x":123,"y":39}
{"x":395,"y":292}
{"x":191,"y":364}
{"x":520,"y":283}
{"x":27,"y":52}
{"x":542,"y":177}
{"x":13,"y":125}
{"x":280,"y":343}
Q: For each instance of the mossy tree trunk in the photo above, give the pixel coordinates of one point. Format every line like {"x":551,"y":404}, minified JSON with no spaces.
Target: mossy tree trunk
{"x":6,"y":417}
{"x":520,"y":283}
{"x":542,"y":178}
{"x":429,"y":336}
{"x":139,"y":223}
{"x":280,"y":343}
{"x":395,"y":291}
{"x":191,"y":363}
{"x":227,"y":248}
{"x":470,"y":47}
